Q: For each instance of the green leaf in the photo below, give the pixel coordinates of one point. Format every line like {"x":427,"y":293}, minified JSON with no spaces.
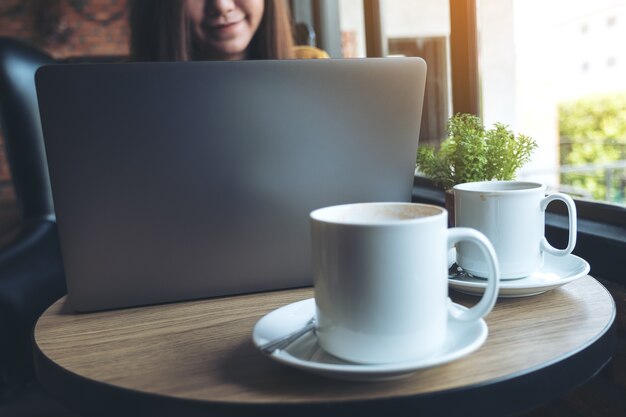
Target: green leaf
{"x":472,"y":153}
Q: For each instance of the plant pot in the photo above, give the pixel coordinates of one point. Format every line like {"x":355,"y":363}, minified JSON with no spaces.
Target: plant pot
{"x":449,"y":198}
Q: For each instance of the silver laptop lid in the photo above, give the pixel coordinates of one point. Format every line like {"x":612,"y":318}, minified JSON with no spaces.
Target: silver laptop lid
{"x":175,"y":181}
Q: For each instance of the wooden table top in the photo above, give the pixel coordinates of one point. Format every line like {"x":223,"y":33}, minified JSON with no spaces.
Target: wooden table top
{"x":198,"y":356}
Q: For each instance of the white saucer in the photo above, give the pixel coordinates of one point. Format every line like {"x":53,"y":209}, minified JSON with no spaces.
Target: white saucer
{"x":305,"y":353}
{"x":556,"y":271}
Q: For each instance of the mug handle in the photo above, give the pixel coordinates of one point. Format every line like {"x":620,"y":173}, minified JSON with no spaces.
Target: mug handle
{"x":488,"y":300}
{"x":571,"y":214}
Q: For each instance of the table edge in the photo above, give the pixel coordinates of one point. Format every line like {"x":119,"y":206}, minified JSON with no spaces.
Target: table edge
{"x":498,"y":396}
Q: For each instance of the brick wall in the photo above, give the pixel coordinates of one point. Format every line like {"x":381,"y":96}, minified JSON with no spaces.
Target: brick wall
{"x":63,"y":28}
{"x":68,"y":27}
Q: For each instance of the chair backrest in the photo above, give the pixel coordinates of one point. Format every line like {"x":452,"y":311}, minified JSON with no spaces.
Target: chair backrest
{"x":21,"y":127}
{"x":304,"y":34}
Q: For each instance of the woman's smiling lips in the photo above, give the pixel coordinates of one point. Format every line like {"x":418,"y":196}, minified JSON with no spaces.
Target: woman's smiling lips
{"x":223,"y":29}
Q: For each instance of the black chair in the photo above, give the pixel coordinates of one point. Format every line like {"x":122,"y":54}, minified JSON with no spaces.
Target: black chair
{"x":31,"y":269}
{"x":304,"y":34}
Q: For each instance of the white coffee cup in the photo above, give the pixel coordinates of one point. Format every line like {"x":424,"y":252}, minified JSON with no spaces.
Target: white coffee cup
{"x":512,"y":215}
{"x":380,"y":275}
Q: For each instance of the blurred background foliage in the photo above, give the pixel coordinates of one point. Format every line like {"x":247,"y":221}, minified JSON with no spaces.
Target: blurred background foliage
{"x":593,"y":146}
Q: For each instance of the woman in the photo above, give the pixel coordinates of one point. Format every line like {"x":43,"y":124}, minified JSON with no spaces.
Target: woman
{"x":186,"y":30}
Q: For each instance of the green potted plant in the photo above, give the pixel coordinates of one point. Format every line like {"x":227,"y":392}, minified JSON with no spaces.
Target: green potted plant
{"x":473,"y":153}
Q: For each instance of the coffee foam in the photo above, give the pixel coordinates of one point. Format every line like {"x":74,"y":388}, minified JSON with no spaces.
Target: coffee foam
{"x":381,"y":213}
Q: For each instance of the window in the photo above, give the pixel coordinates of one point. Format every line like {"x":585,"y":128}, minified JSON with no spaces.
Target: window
{"x":505,"y":62}
{"x":610,"y":21}
{"x":552,"y":75}
{"x":405,"y":28}
{"x":352,"y":24}
{"x":536,"y":72}
{"x":422,"y":29}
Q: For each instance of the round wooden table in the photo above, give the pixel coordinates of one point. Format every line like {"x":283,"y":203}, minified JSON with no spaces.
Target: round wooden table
{"x":197,"y":358}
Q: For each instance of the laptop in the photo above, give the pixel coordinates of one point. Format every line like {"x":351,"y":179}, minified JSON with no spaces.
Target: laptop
{"x":187,"y":180}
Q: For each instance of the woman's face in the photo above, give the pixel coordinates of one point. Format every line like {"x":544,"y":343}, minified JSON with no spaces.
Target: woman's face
{"x":223,"y":29}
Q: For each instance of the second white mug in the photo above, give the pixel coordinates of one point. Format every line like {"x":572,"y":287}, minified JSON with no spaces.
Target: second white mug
{"x":512,"y":216}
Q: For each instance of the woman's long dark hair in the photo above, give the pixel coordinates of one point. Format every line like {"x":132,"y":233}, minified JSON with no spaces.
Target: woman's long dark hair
{"x":160,"y":32}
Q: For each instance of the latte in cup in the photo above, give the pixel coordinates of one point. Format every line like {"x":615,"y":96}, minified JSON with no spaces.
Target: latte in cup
{"x":380,"y":277}
{"x":512,"y":216}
